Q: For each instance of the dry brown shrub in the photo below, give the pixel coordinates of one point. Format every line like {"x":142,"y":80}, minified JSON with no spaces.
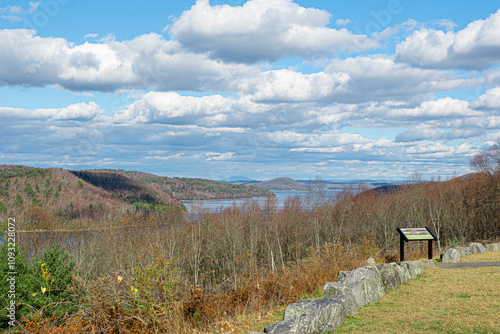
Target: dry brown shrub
{"x":115,"y":305}
{"x":263,"y":291}
{"x":388,"y":255}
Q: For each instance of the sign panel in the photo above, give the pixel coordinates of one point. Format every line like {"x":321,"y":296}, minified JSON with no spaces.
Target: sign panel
{"x":420,"y":233}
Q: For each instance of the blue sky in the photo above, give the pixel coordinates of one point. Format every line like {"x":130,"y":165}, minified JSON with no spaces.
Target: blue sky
{"x":260,"y":88}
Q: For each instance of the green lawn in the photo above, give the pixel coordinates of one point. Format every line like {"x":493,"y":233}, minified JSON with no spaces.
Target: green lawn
{"x":465,"y":300}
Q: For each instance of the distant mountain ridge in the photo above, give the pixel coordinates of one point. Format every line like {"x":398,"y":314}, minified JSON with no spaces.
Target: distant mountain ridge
{"x":239,"y":179}
{"x":281,"y":183}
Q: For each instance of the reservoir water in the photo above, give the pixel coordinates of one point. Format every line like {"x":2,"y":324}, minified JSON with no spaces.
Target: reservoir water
{"x":281,"y":196}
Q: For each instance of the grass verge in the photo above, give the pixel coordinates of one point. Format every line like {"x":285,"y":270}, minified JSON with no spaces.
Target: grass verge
{"x":465,"y":300}
{"x":484,"y":257}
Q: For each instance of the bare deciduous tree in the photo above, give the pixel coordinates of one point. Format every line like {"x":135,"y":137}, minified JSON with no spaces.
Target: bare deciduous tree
{"x":488,"y":163}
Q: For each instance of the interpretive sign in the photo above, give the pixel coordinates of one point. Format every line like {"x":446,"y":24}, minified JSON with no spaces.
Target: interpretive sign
{"x":415,"y":234}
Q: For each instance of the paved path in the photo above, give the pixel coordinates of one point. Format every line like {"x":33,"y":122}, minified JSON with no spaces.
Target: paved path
{"x":467,"y":265}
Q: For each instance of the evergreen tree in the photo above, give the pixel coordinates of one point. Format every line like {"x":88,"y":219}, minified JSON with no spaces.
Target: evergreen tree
{"x":21,"y":282}
{"x":54,"y":272}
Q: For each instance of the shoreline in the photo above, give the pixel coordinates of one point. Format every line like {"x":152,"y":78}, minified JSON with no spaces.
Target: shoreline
{"x":237,"y":199}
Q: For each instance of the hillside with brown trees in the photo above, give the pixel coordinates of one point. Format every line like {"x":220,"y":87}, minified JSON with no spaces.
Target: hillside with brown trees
{"x":196,"y":189}
{"x":60,"y":195}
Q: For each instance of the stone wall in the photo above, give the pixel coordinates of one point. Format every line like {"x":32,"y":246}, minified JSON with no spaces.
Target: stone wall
{"x":356,"y":288}
{"x":452,"y":255}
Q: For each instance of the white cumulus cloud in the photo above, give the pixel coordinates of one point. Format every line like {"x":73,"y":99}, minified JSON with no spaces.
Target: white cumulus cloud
{"x":166,"y":107}
{"x":475,"y":47}
{"x":489,"y":100}
{"x":263,"y":30}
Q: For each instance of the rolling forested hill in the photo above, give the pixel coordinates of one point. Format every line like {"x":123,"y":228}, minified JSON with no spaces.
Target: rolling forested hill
{"x":72,"y":195}
{"x":194,"y":188}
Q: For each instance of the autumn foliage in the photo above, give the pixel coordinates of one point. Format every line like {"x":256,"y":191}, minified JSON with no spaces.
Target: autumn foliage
{"x":172,"y":271}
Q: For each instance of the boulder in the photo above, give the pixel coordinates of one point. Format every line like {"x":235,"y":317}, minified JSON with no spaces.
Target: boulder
{"x":281,"y":327}
{"x":412,"y":270}
{"x":377,"y":288}
{"x":476,"y":248}
{"x":374,"y":288}
{"x":356,"y":288}
{"x":493,"y":247}
{"x":310,"y":316}
{"x":451,"y":255}
{"x":342,"y":275}
{"x":463,"y":251}
{"x":391,"y":276}
{"x":403,"y":272}
{"x":346,"y":296}
{"x":365,"y":282}
{"x":330,"y":289}
{"x":423,"y":265}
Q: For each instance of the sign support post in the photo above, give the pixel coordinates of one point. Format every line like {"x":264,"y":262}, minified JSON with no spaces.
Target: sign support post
{"x":402,"y":248}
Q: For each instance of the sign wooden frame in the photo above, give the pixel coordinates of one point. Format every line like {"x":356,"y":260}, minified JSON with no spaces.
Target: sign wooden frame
{"x":415,"y":234}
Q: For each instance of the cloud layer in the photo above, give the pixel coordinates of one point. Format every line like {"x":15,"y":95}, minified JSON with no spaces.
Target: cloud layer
{"x":263,"y":89}
{"x":146,"y":62}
